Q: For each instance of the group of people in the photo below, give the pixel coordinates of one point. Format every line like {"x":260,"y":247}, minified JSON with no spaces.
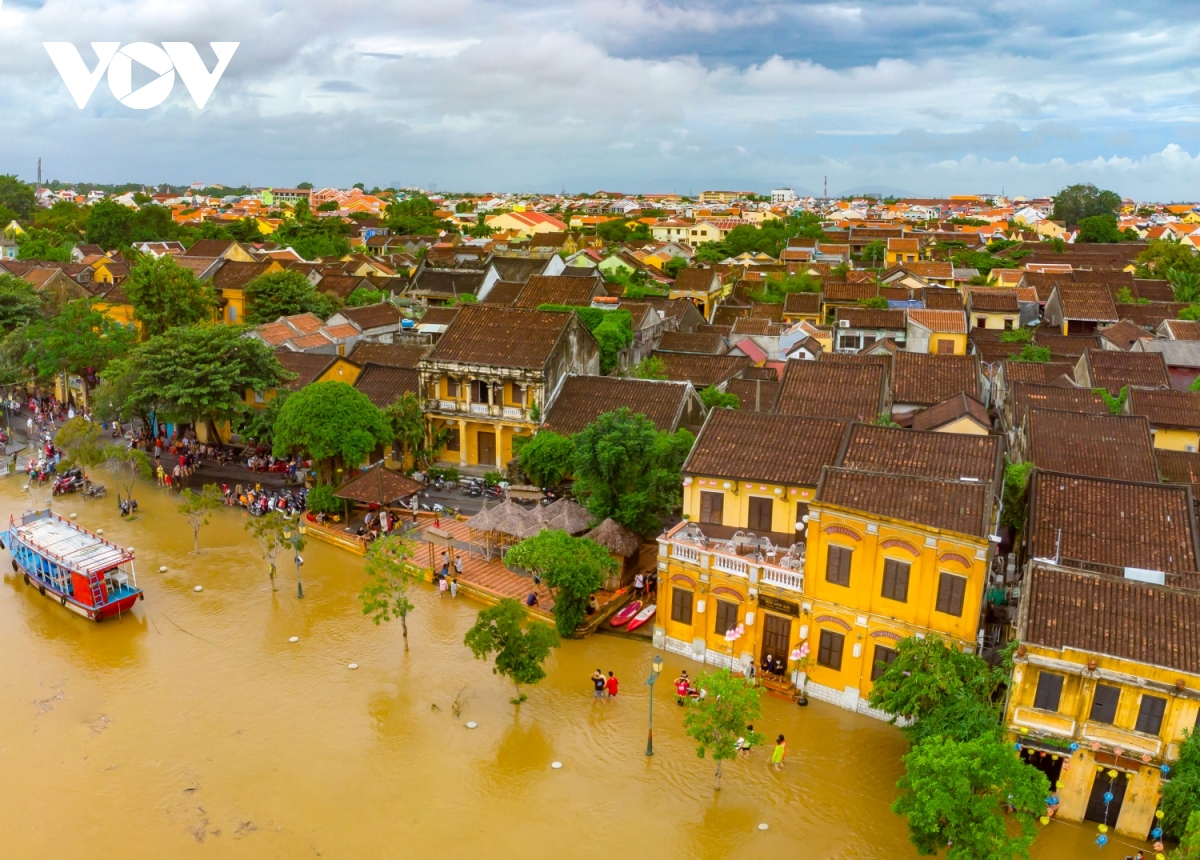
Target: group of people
{"x":604,"y":687}
{"x":645,"y":586}
{"x":447,"y":581}
{"x":773,"y":668}
{"x":686,"y":691}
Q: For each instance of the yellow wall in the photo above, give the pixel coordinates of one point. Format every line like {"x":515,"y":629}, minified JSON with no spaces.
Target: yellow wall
{"x":964,"y":426}
{"x":994,"y":320}
{"x":737,"y":501}
{"x":340,"y":371}
{"x":894,"y":257}
{"x":1176,"y":439}
{"x":470,"y":439}
{"x":960,"y":341}
{"x":120,"y":313}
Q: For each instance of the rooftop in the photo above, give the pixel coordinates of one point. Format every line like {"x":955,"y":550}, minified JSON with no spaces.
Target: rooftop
{"x":926,"y":380}
{"x":956,"y":506}
{"x":922,"y":453}
{"x":759,"y":446}
{"x":1100,"y":445}
{"x":503,"y":337}
{"x":584,"y":398}
{"x":830,"y":389}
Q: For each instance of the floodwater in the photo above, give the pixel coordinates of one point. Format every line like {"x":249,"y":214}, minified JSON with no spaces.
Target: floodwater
{"x":193,"y":728}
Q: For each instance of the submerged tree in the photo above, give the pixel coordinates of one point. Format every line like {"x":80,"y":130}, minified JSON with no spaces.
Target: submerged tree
{"x":390,"y":578}
{"x":521,"y":645}
{"x":573,"y":568}
{"x":270,"y":532}
{"x":127,"y":465}
{"x":719,"y":718}
{"x":197,"y":508}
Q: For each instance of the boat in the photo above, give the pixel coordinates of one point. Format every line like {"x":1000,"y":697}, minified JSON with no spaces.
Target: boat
{"x":626,"y":613}
{"x":85,"y":573}
{"x":642,"y":617}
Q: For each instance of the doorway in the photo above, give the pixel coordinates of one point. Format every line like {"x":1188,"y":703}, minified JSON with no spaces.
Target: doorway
{"x":777,"y":635}
{"x":1104,"y":783}
{"x":1049,"y":763}
{"x":487,"y":448}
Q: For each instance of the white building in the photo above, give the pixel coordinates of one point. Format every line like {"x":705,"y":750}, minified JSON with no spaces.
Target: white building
{"x":783,"y":195}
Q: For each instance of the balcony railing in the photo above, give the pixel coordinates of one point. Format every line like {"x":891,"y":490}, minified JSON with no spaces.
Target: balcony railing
{"x":768,"y":564}
{"x":783,"y":578}
{"x":448,"y":405}
{"x":1124,"y":738}
{"x":479,"y":409}
{"x":514,"y":412}
{"x":730,"y":564}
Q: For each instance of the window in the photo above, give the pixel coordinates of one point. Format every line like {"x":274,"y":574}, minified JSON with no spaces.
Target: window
{"x":895,"y":580}
{"x":479,"y":391}
{"x":258,"y":397}
{"x":760,"y":514}
{"x":727,"y":613}
{"x":849,"y":341}
{"x":884,"y":657}
{"x":1049,"y":691}
{"x":681,"y":606}
{"x":980,"y":322}
{"x":452,"y":442}
{"x":1104,"y":704}
{"x":451,"y":388}
{"x":829,"y":651}
{"x":518,"y":394}
{"x":1008,"y":324}
{"x":951,"y":590}
{"x":837,"y":565}
{"x":712,"y":507}
{"x":1150,"y":714}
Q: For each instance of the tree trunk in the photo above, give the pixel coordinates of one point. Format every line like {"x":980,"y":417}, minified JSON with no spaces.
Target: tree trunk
{"x":273,"y":588}
{"x":718,"y":776}
{"x":404,"y":627}
{"x":196,"y":538}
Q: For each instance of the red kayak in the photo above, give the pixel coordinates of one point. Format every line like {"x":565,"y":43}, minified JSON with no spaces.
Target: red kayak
{"x":642,"y":617}
{"x":626,"y":614}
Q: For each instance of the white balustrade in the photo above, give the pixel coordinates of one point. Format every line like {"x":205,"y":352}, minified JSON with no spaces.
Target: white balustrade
{"x":783,"y":578}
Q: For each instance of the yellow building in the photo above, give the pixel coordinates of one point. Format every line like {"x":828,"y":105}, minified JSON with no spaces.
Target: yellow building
{"x":701,"y":286}
{"x":903,"y":251}
{"x":942,"y":332}
{"x":993,"y":308}
{"x":230,"y":282}
{"x":1174,"y":416}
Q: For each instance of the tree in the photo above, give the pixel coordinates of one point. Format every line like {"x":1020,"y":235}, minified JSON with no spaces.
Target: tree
{"x":65,"y":217}
{"x":36,"y":244}
{"x":521,"y":645}
{"x":197,"y":508}
{"x":1189,"y":843}
{"x":875,"y":253}
{"x":164,"y":295}
{"x":335,"y":423}
{"x":414,"y":216}
{"x":390,"y":577}
{"x":268,"y":532}
{"x":713,"y":398}
{"x":1099,"y":228}
{"x":83,"y":441}
{"x":80,"y":341}
{"x":1016,"y":480}
{"x":718,"y":719}
{"x":109,"y":224}
{"x":408,"y":429}
{"x":1185,"y":285}
{"x":362,"y":296}
{"x":546,"y":458}
{"x":674,"y":266}
{"x":1076,"y":202}
{"x":1181,"y":796}
{"x":876,"y":302}
{"x":259,"y":423}
{"x":18,"y":196}
{"x":627,"y":469}
{"x":1116,"y":405}
{"x":282,"y":294}
{"x":573,"y":569}
{"x":1163,"y":255}
{"x":127,"y":465}
{"x":650,"y":367}
{"x":20,"y":303}
{"x":1037,"y":354}
{"x":776,"y":288}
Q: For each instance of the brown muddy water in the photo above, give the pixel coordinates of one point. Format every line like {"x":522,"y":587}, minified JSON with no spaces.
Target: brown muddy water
{"x":193,"y":728}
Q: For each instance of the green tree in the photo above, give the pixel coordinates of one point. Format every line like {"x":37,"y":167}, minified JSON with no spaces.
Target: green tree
{"x":414,"y":216}
{"x":1185,"y":285}
{"x":521,"y":645}
{"x":1116,"y":405}
{"x":573,"y":569}
{"x":1017,"y":335}
{"x":362,"y":296}
{"x":1099,"y":228}
{"x":281,"y":294}
{"x":391,"y":576}
{"x":1076,"y":202}
{"x":627,"y":469}
{"x":776,"y":287}
{"x":713,"y":398}
{"x":128,"y":466}
{"x":1016,"y":481}
{"x":197,"y":508}
{"x":164,"y":295}
{"x":546,"y":458}
{"x":80,"y":341}
{"x":674,"y":266}
{"x":16,"y":195}
{"x":874,"y":253}
{"x":269,"y":533}
{"x":717,"y":720}
{"x":35,"y":244}
{"x":1189,"y":843}
{"x":109,"y":224}
{"x":1181,"y":795}
{"x":1037,"y":354}
{"x":65,"y":217}
{"x":650,"y":367}
{"x":407,"y":420}
{"x":83,"y":440}
{"x":321,"y":500}
{"x":20,"y":303}
{"x":259,"y":423}
{"x":335,"y":423}
{"x":876,"y":302}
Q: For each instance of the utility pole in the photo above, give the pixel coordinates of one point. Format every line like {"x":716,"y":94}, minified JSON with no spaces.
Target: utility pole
{"x":39,"y":185}
{"x":826,"y":187}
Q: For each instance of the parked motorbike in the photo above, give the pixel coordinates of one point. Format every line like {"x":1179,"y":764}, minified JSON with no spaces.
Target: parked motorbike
{"x":93,"y":491}
{"x":127,"y":506}
{"x":68,"y":482}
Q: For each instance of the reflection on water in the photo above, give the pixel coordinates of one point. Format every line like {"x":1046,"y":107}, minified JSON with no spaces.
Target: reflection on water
{"x":193,"y":727}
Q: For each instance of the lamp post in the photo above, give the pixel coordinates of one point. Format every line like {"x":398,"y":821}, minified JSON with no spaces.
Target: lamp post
{"x":656,"y":668}
{"x":297,"y":543}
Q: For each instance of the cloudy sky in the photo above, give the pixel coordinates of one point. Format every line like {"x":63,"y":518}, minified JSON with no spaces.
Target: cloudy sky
{"x":928,"y":97}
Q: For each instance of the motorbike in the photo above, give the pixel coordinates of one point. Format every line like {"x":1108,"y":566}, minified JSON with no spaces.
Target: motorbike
{"x":68,"y":482}
{"x":127,"y":507}
{"x":93,"y":491}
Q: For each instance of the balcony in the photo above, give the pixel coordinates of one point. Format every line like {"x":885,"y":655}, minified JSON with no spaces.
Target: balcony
{"x":736,"y":552}
{"x":1044,"y":721}
{"x":479,"y":409}
{"x":1126,"y":739}
{"x":448,"y":405}
{"x":515,"y":412}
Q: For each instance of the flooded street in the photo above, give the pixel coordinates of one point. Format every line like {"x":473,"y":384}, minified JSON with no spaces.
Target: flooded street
{"x":193,"y":728}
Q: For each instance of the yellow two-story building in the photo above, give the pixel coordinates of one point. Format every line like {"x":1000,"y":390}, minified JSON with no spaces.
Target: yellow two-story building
{"x":1174,"y":416}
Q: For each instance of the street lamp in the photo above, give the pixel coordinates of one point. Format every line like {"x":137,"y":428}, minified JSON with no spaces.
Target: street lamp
{"x":297,"y":542}
{"x":656,"y":668}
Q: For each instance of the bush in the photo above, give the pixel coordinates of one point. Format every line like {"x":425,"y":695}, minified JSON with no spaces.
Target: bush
{"x":321,"y":500}
{"x":445,"y":473}
{"x":492,"y":478}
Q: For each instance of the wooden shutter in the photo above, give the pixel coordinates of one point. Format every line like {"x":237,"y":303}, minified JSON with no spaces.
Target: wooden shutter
{"x":1049,"y":691}
{"x":1104,"y":704}
{"x":712,"y":507}
{"x":726,"y":617}
{"x":760,"y":514}
{"x":451,"y":388}
{"x":1150,"y":714}
{"x":945,"y":347}
{"x":884,"y":657}
{"x":951,"y":592}
{"x":895,"y":580}
{"x":681,"y":606}
{"x":837,"y":565}
{"x":829,"y":650}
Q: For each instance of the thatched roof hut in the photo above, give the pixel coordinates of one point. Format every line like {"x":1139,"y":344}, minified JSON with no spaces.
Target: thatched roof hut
{"x":567,"y":515}
{"x":615,"y":538}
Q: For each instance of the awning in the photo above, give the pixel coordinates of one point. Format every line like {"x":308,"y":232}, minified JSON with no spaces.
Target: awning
{"x":378,"y":485}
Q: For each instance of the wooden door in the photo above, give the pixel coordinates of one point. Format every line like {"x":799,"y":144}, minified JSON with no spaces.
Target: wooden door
{"x":1095,"y":807}
{"x":487,"y":448}
{"x":777,"y":636}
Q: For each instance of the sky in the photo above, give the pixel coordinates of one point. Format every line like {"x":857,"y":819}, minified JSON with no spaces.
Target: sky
{"x":638,"y":96}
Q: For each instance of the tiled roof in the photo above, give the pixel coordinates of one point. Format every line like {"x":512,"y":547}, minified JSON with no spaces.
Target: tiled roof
{"x":1184,"y":329}
{"x":903,"y":245}
{"x":831,"y":389}
{"x":951,"y":409}
{"x":760,"y":446}
{"x":1153,"y":289}
{"x":1124,"y":334}
{"x":384,"y":385}
{"x":1149,"y":315}
{"x":727,"y":315}
{"x":387,"y":354}
{"x":340,"y":285}
{"x":306,"y":365}
{"x":234,"y":275}
{"x":503,"y":293}
{"x":1113,"y":370}
{"x":275,"y":333}
{"x":702,"y":370}
{"x":446,"y":283}
{"x":993,"y":301}
{"x":925,"y":380}
{"x":927,"y":269}
{"x":208,"y":248}
{"x":1117,"y":523}
{"x":1166,"y":407}
{"x":341,"y":331}
{"x":943,"y":300}
{"x":521,"y":269}
{"x":1030,"y":395}
{"x":306,"y":323}
{"x":1063,"y":345}
{"x":584,"y":398}
{"x":947,"y":322}
{"x":502,"y":337}
{"x":872,"y":318}
{"x":1103,"y":446}
{"x":1179,"y":467}
{"x":802,"y":303}
{"x":751,"y":391}
{"x":558,"y":290}
{"x":1113,"y":616}
{"x":840,"y":291}
{"x":922,"y":453}
{"x":1087,"y":302}
{"x":439,"y":316}
{"x":316,"y":340}
{"x":694,"y":279}
{"x":705,"y":343}
{"x":744,"y":326}
{"x":957,"y":506}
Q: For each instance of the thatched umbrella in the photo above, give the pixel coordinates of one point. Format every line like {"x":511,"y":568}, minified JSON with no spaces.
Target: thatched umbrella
{"x":568,"y":515}
{"x":481,"y":523}
{"x":509,"y":518}
{"x":615,"y":538}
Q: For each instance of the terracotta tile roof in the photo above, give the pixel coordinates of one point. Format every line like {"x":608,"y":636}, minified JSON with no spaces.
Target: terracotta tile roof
{"x":373,"y":316}
{"x":951,"y":409}
{"x":521,"y":269}
{"x":502,"y":337}
{"x":1179,"y":467}
{"x":234,"y":275}
{"x":503,"y":293}
{"x":759,"y":446}
{"x":1103,"y":446}
{"x":208,"y":248}
{"x":1153,"y":289}
{"x":1113,"y":616}
{"x":943,"y":300}
{"x":315,"y":340}
{"x":1183,"y":329}
{"x":947,"y":322}
{"x":699,"y":342}
{"x":802,"y":303}
{"x":831,"y":389}
{"x":1087,"y":302}
{"x":727,"y":315}
{"x":340,"y":331}
{"x":384,"y":385}
{"x":922,"y":453}
{"x":1113,"y":370}
{"x":992,"y":301}
{"x":196,"y":265}
{"x":1064,"y":345}
{"x":340,"y":285}
{"x":884,"y":361}
{"x":1107,"y":522}
{"x":926,"y":380}
{"x":1149,"y":315}
{"x":304,"y":323}
{"x":1166,"y":407}
{"x":694,"y":279}
{"x":1030,"y":395}
{"x":766,"y":311}
{"x":840,"y":291}
{"x":928,"y":269}
{"x":439,"y":316}
{"x":903,"y":245}
{"x":750,"y":391}
{"x":1125,"y":334}
{"x":445,"y":283}
{"x":387,"y":354}
{"x":744,"y":326}
{"x":584,"y":398}
{"x":306,"y":365}
{"x":275,"y":333}
{"x":558,"y":290}
{"x":872,"y":318}
{"x":378,"y":485}
{"x":702,"y":370}
{"x":952,"y":505}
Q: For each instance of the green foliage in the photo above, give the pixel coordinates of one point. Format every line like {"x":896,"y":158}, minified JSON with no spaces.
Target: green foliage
{"x":83,"y":440}
{"x":1038,"y":354}
{"x":650,"y":367}
{"x":1017,"y":335}
{"x":447,"y":473}
{"x":1191,"y":312}
{"x":38,"y":244}
{"x":390,"y":578}
{"x":673,"y":267}
{"x":1016,"y":481}
{"x":328,"y":206}
{"x":623,"y":231}
{"x":546,"y":458}
{"x":874,"y":253}
{"x":63,"y":217}
{"x":80,"y":340}
{"x":718,"y":720}
{"x":1189,"y":843}
{"x":492,"y":478}
{"x":313,"y":238}
{"x":128,"y":465}
{"x":1116,"y":405}
{"x":714,"y":398}
{"x":322,"y":501}
{"x":1185,"y":285}
{"x":1075,"y":203}
{"x":414,"y":216}
{"x":280,"y":294}
{"x":164,"y":294}
{"x":520,"y":644}
{"x":197,"y":508}
{"x":769,"y":238}
{"x":408,"y":428}
{"x":109,"y":224}
{"x":269,"y":533}
{"x":776,"y":287}
{"x":258,"y":423}
{"x":613,"y":330}
{"x":335,"y":423}
{"x":1163,"y":255}
{"x":884,"y":419}
{"x":20,"y":303}
{"x":1099,"y":228}
{"x":627,"y":469}
{"x":362,"y":296}
{"x":877,"y":302}
{"x":1181,"y":795}
{"x":18,"y":196}
{"x":573,"y":568}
